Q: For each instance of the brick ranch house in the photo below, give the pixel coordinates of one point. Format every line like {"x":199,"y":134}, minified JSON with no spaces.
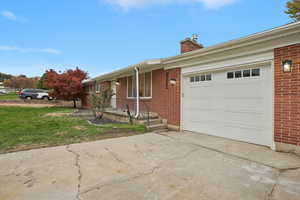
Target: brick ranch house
{"x":246,"y":89}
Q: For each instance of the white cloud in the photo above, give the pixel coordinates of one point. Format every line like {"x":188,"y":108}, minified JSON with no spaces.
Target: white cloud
{"x":214,"y":4}
{"x":51,"y":51}
{"x":127,"y":4}
{"x":9,"y":15}
{"x":30,"y":50}
{"x":12,"y":17}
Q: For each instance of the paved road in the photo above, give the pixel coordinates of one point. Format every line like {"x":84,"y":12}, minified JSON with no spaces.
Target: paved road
{"x":175,"y":166}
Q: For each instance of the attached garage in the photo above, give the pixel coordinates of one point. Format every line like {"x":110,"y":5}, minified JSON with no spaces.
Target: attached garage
{"x":232,"y":102}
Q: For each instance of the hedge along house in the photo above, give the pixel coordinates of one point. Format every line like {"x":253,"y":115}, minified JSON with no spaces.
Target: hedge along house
{"x":246,"y":89}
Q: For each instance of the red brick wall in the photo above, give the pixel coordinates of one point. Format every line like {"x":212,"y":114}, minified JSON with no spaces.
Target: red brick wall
{"x":165,"y":100}
{"x":188,"y":45}
{"x":86,"y":101}
{"x":287,"y":96}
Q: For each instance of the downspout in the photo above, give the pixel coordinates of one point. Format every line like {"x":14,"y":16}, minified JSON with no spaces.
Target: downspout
{"x":137,"y":92}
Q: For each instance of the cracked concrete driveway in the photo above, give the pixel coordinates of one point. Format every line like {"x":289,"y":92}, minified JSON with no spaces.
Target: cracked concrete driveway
{"x":153,"y":166}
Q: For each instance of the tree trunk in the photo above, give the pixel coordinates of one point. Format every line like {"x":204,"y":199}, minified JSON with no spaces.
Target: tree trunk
{"x":74,"y":101}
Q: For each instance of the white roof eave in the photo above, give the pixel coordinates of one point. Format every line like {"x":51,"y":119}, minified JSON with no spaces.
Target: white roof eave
{"x":116,"y":74}
{"x":257,"y":37}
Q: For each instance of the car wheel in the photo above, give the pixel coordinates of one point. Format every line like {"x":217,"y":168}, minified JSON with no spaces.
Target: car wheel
{"x":28,"y":98}
{"x":45,"y":98}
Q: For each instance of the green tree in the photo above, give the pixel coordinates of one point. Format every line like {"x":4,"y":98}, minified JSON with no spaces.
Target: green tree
{"x":100,"y":102}
{"x":3,"y":76}
{"x":293,"y":9}
{"x":40,"y":83}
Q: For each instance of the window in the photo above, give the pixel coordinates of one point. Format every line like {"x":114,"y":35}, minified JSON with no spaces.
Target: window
{"x":204,"y":77}
{"x":208,"y":77}
{"x":246,"y":73}
{"x":230,"y":75}
{"x":148,"y":84}
{"x":243,"y":73}
{"x":255,"y":72}
{"x":167,"y":80}
{"x":129,"y":87}
{"x":144,"y":85}
{"x":91,"y":88}
{"x":238,"y":74}
{"x":98,"y":87}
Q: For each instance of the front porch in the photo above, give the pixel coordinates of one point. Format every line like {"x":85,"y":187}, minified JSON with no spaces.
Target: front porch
{"x":151,"y":120}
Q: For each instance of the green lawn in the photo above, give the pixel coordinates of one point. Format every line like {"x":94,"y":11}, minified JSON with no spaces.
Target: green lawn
{"x":26,"y":128}
{"x":10,"y":96}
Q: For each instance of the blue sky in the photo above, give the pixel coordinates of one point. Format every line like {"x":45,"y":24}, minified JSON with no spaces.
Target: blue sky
{"x":99,"y":36}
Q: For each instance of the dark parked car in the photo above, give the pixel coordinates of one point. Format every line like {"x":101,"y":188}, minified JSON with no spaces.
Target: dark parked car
{"x":34,"y":94}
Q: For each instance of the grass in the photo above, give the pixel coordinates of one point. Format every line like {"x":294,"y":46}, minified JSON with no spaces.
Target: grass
{"x":23,"y":128}
{"x":10,"y":96}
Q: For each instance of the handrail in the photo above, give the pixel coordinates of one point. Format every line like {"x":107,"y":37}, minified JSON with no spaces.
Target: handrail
{"x":130,"y":105}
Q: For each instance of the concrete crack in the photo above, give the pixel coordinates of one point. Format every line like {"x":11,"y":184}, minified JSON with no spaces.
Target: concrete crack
{"x":77,"y":164}
{"x":116,"y":157}
{"x":270,"y":194}
{"x":99,"y":187}
{"x":288,"y":169}
{"x":218,"y":151}
{"x":183,"y":156}
{"x":139,"y":175}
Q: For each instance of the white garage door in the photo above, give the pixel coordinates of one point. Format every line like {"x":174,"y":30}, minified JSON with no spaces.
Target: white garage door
{"x":235,"y":104}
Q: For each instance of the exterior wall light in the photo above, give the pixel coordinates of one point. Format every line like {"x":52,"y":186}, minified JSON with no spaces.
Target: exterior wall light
{"x":117,"y":83}
{"x":173,"y":81}
{"x":287,"y":66}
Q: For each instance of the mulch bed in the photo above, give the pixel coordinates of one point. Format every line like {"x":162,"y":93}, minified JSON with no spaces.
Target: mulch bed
{"x":103,"y":121}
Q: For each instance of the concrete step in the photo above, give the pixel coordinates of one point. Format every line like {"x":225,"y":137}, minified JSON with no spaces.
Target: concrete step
{"x":157,"y":127}
{"x":151,"y":122}
{"x":145,"y":116}
{"x":161,"y":130}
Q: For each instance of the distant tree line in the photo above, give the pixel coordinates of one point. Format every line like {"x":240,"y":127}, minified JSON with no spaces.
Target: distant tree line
{"x":4,"y":76}
{"x":20,"y":82}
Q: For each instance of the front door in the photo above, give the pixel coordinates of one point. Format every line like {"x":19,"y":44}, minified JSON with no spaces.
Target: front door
{"x":114,"y":97}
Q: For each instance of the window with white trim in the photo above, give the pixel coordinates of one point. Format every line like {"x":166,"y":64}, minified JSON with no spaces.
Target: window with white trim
{"x":145,"y":85}
{"x":98,"y":87}
{"x":243,"y":73}
{"x":200,"y":78}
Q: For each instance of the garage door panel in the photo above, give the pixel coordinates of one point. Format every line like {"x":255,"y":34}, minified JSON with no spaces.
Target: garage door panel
{"x":245,"y":118}
{"x":238,"y":109}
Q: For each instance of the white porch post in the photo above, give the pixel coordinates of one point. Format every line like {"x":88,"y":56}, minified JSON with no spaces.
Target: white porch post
{"x":137,"y":92}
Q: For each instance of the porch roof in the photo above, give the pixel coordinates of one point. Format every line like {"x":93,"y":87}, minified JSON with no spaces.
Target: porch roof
{"x":143,"y":66}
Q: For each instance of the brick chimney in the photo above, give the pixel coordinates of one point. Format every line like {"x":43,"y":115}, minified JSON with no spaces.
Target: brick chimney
{"x":190,"y":44}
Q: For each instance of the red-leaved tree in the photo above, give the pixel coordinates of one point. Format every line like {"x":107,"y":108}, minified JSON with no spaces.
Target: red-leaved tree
{"x":67,"y":85}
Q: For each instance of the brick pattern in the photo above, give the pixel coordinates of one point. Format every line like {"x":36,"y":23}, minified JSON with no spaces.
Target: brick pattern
{"x":189,"y":45}
{"x":165,"y":98}
{"x":86,"y":100}
{"x":287,"y":96}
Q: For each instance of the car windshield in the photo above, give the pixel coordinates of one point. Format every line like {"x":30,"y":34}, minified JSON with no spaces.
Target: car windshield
{"x":29,"y":90}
